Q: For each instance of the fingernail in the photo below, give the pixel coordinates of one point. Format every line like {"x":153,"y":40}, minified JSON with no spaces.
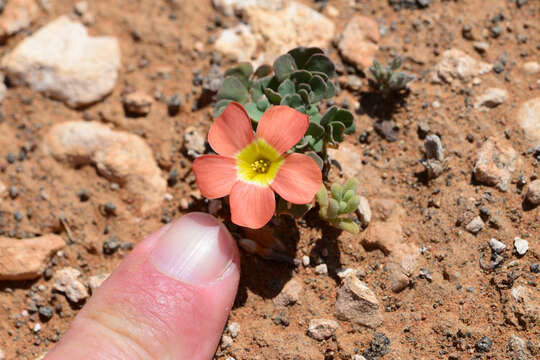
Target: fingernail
{"x":196,"y":249}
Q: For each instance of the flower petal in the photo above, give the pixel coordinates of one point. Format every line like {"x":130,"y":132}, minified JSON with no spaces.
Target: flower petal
{"x":282,"y":127}
{"x":215,"y":175}
{"x":252,"y":206}
{"x":231,"y":131}
{"x":298,"y":179}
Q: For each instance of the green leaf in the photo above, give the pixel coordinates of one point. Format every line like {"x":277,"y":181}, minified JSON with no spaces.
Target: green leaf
{"x":347,"y":118}
{"x":330,"y":90}
{"x":336,"y":132}
{"x":351,"y":184}
{"x":304,"y":95}
{"x":286,"y":87}
{"x":304,"y":141}
{"x":342,"y":207}
{"x":322,"y":196}
{"x":319,"y":88}
{"x":302,"y":54}
{"x":312,"y":111}
{"x":284,"y":66}
{"x":317,"y":159}
{"x":273,"y":97}
{"x":337,"y":191}
{"x":315,"y":130}
{"x":333,"y":208}
{"x":348,"y":226}
{"x":233,"y":89}
{"x":347,"y":194}
{"x":352,"y":204}
{"x":242,"y":72}
{"x":321,"y":63}
{"x":329,"y":115}
{"x":263,"y":104}
{"x":257,"y":89}
{"x":220,"y":107}
{"x":254,"y":113}
{"x":317,"y":145}
{"x":292,"y":100}
{"x":395,"y":63}
{"x":301,"y":76}
{"x":263,"y":70}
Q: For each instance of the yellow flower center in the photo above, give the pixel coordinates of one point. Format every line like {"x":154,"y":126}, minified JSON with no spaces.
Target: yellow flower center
{"x":258,"y":163}
{"x":260,"y":166}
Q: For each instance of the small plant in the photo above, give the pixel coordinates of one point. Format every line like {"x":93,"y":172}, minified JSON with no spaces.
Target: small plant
{"x":387,"y":79}
{"x":271,"y":141}
{"x":343,"y":202}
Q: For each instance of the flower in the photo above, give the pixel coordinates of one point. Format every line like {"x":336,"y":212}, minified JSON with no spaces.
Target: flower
{"x":250,"y":168}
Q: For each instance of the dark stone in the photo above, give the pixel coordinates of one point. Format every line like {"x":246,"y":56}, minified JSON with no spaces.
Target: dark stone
{"x":173,"y":104}
{"x":378,"y":347}
{"x":111,"y":245}
{"x":46,"y":313}
{"x":535,"y":268}
{"x":484,"y":344}
{"x":83,"y":195}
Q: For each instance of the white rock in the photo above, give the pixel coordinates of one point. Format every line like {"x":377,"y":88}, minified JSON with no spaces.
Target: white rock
{"x":234,"y":329}
{"x":493,"y":97}
{"x":193,"y":142}
{"x":36,"y":328}
{"x":357,"y":303}
{"x":521,"y":246}
{"x":66,"y":281}
{"x":531,"y":68}
{"x":295,"y":25}
{"x":233,"y":7}
{"x":3,"y":89}
{"x":290,"y":294}
{"x":238,"y":43}
{"x":455,"y":64}
{"x":496,"y":245}
{"x":364,"y":211}
{"x":95,"y":281}
{"x":475,"y":225}
{"x":226,"y":341}
{"x":533,"y":192}
{"x":358,"y":357}
{"x":321,"y":269}
{"x":2,"y":356}
{"x":322,"y":329}
{"x":433,"y":147}
{"x":305,"y":260}
{"x":118,"y":156}
{"x":528,"y":117}
{"x":63,"y":62}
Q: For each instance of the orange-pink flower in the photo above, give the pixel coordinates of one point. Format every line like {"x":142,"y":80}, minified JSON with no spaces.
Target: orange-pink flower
{"x":251,"y":167}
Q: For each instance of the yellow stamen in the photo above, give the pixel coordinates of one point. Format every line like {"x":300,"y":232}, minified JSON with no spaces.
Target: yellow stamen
{"x":258,"y":163}
{"x":260,"y":166}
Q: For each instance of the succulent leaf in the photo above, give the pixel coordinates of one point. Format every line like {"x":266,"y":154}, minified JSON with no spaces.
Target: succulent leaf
{"x":302,"y":54}
{"x":301,"y":76}
{"x":242,"y":72}
{"x":286,"y":87}
{"x":316,"y":158}
{"x":220,"y":106}
{"x":233,"y":89}
{"x":321,"y":63}
{"x":333,"y":209}
{"x":254,"y":113}
{"x":284,"y":66}
{"x":337,"y":191}
{"x":273,"y":97}
{"x":263,"y":70}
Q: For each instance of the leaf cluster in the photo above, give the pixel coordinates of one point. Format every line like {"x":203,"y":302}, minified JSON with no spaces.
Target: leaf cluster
{"x":300,"y":79}
{"x":386,"y":79}
{"x":336,"y":206}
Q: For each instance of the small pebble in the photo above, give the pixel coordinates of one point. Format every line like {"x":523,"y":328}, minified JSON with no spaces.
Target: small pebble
{"x":305,"y":260}
{"x":521,"y":246}
{"x":497,"y":246}
{"x":321,"y":269}
{"x":484,"y":344}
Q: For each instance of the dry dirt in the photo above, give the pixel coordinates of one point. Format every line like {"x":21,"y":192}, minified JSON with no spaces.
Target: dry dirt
{"x":451,"y":302}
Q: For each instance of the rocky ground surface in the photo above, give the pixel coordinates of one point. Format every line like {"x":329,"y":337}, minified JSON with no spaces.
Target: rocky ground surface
{"x":106,"y":103}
